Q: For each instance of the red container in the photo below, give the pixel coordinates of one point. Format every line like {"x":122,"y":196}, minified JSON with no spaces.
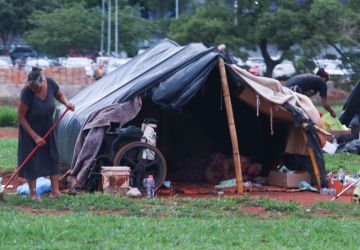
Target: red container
{"x":336,"y":184}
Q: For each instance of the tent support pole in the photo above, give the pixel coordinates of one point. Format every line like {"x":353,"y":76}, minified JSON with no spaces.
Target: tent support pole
{"x":313,"y":161}
{"x":231,"y":123}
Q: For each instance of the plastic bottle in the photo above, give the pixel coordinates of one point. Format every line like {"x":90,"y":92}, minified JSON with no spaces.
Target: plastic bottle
{"x":341,"y":175}
{"x":335,"y":142}
{"x":150,"y":187}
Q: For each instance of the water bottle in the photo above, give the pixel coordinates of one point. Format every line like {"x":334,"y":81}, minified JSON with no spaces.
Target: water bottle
{"x":341,"y":176}
{"x":150,"y":187}
{"x":335,"y":141}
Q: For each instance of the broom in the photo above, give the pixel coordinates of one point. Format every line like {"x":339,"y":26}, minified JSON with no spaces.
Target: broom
{"x":3,"y":189}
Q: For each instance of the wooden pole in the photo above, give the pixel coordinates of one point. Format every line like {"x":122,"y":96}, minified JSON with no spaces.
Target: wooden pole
{"x":231,"y":123}
{"x":313,"y":161}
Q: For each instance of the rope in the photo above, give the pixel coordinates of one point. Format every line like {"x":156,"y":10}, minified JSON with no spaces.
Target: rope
{"x":257,"y":104}
{"x":271,"y":121}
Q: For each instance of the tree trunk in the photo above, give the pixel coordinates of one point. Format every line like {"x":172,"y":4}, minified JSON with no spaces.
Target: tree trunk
{"x":269,"y":62}
{"x":6,"y":42}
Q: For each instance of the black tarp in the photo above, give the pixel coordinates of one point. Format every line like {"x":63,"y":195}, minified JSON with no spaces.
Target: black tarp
{"x":171,"y":73}
{"x":170,"y":76}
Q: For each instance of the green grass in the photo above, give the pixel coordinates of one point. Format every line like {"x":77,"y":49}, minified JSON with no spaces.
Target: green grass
{"x":8,"y":154}
{"x":336,"y":106}
{"x":8,"y":116}
{"x":179,"y":207}
{"x":349,"y":162}
{"x":106,"y":222}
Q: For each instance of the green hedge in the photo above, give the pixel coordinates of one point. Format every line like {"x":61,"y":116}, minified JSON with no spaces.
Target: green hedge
{"x":8,"y":116}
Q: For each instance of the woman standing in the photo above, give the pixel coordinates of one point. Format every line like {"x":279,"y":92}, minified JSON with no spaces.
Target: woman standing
{"x":35,"y":113}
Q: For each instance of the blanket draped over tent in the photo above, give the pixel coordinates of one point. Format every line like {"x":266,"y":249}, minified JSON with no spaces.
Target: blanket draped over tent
{"x":89,"y":141}
{"x":172,"y":75}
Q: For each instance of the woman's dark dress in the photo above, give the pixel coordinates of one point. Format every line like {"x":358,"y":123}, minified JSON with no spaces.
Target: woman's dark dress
{"x":45,"y":161}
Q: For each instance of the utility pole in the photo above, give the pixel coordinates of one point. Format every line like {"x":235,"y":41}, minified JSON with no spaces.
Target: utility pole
{"x":109,"y":28}
{"x":177,"y":9}
{"x":116,"y":28}
{"x":236,"y":6}
{"x":102,"y":27}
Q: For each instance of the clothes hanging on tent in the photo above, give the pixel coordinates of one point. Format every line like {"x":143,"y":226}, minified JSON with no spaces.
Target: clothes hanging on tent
{"x":91,"y":137}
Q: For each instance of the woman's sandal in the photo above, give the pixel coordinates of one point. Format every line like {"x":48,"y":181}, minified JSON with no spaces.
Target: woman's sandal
{"x":53,"y":196}
{"x":36,"y":198}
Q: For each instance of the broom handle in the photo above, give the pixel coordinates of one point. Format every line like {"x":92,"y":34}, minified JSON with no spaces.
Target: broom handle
{"x":34,"y":149}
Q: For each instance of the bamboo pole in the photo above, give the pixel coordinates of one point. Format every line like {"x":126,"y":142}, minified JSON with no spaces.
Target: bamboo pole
{"x":313,"y":161}
{"x":231,"y":123}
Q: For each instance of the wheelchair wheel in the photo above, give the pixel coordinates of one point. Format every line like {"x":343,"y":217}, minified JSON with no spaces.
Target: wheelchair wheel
{"x":132,"y":155}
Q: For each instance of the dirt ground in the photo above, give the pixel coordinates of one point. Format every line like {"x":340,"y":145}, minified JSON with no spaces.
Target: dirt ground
{"x":8,"y":133}
{"x":303,"y":197}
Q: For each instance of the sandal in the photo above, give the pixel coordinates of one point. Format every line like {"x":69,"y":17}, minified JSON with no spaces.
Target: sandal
{"x":36,"y":198}
{"x":53,"y":196}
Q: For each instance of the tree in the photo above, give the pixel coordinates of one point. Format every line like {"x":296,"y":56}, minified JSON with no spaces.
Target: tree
{"x":300,"y":28}
{"x":76,"y":27}
{"x":133,"y":29}
{"x":14,"y":17}
{"x":68,"y":27}
{"x":208,"y":25}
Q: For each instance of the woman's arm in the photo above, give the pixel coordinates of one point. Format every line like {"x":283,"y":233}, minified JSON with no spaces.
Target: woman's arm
{"x":22,"y":110}
{"x":62,"y":98}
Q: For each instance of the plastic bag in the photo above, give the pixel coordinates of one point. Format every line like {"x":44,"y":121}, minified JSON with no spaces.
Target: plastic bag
{"x":330,"y":123}
{"x":43,"y":185}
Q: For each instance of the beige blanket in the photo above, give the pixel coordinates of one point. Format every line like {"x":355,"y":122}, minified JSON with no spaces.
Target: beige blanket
{"x":274,"y":93}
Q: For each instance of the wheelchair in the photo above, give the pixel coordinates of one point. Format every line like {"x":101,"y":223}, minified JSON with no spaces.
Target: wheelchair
{"x":126,"y":147}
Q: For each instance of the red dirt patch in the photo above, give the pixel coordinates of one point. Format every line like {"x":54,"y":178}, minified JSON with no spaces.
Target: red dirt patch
{"x":29,"y":210}
{"x":304,"y":198}
{"x":255,"y":210}
{"x":205,"y":191}
{"x":8,"y":132}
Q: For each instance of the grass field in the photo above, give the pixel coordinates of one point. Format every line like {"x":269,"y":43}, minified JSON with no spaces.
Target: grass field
{"x":106,"y":222}
{"x":8,"y":154}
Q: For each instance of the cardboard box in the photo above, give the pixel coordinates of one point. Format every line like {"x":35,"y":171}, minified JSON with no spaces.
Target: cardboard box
{"x":290,"y":180}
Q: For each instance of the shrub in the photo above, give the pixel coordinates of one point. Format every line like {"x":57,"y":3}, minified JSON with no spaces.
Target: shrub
{"x":8,"y":117}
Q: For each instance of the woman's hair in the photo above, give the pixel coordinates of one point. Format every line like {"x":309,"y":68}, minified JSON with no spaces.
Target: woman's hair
{"x":322,"y":73}
{"x":35,"y":76}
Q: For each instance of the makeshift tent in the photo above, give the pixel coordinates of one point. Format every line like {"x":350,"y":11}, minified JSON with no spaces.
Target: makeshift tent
{"x":185,"y":88}
{"x":351,"y":108}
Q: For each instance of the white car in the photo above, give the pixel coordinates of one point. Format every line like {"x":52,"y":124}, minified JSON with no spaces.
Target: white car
{"x":6,"y":59}
{"x":115,"y":63}
{"x":36,"y":62}
{"x":80,"y":62}
{"x":284,"y":69}
{"x":4,"y":64}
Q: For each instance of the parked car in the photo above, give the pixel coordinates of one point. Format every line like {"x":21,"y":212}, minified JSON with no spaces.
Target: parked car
{"x":284,"y":70}
{"x":4,"y":64}
{"x":115,"y":63}
{"x":80,"y":62}
{"x":36,"y":62}
{"x":22,"y":52}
